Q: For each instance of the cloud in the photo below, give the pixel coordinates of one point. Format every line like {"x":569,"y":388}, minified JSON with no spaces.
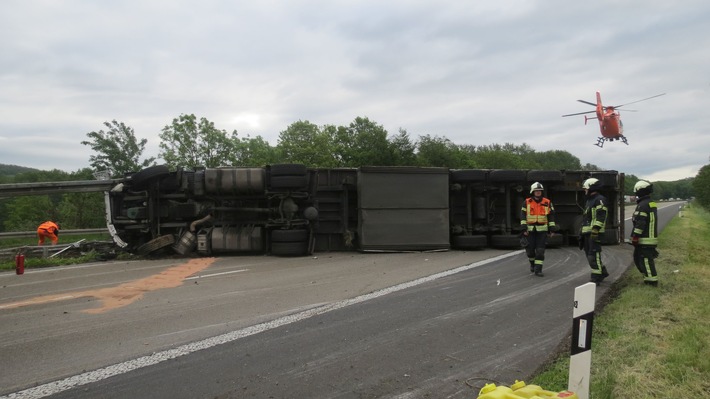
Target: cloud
{"x":476,"y":73}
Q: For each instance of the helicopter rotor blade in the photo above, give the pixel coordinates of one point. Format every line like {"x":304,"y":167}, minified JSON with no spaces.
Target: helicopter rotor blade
{"x":638,"y":101}
{"x":580,"y":113}
{"x":587,"y":102}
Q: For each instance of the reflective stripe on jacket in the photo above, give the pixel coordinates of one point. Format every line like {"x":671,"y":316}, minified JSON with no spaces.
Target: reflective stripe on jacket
{"x":645,"y":221}
{"x":537,"y":215}
{"x":594,"y":214}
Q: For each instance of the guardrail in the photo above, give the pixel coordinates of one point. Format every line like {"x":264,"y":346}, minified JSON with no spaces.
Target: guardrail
{"x":20,"y":234}
{"x":81,"y":186}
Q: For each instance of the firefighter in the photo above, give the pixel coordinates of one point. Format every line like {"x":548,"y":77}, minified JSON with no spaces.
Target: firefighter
{"x":49,"y":230}
{"x":537,"y":217}
{"x":593,"y":223}
{"x":644,"y":236}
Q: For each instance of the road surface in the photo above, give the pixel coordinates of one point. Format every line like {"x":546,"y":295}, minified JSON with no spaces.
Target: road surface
{"x":336,"y":325}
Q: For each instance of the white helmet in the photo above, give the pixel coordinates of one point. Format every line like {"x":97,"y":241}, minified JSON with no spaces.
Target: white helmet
{"x":536,"y":186}
{"x":642,"y":188}
{"x":591,"y":184}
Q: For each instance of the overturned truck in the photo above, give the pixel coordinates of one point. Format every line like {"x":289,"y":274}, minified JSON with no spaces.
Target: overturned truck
{"x":291,"y":210}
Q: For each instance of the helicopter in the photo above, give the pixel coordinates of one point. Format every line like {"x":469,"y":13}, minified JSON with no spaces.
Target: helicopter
{"x":609,"y":118}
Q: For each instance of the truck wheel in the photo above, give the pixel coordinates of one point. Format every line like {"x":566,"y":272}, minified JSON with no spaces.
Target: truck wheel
{"x":468,"y":175}
{"x":505,"y":241}
{"x":289,"y":248}
{"x":469,"y":242}
{"x":545,"y":175}
{"x":556,"y":241}
{"x":288,"y":169}
{"x":156,"y":244}
{"x":296,"y":235}
{"x":610,"y":237}
{"x":288,"y":182}
{"x":507,"y":175}
{"x":289,"y":176}
{"x":140,"y":179}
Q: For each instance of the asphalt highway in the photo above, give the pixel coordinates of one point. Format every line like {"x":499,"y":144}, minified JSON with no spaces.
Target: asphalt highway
{"x":335,"y":325}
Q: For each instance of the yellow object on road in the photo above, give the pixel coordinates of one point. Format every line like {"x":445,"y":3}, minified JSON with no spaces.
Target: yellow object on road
{"x":520,"y":390}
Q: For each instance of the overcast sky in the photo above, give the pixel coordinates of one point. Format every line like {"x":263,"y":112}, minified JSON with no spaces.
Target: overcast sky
{"x":475,"y":72}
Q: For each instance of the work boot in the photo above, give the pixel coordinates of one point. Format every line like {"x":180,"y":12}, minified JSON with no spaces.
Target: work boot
{"x":605,"y":273}
{"x":538,"y":271}
{"x":596,"y":279}
{"x":651,"y":283}
{"x":532,"y":267}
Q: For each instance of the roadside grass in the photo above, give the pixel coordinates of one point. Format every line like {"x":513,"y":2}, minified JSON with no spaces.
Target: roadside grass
{"x":654,"y":342}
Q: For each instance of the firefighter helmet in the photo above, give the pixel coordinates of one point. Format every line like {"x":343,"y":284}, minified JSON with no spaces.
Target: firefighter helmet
{"x":535,"y":187}
{"x":642,"y":188}
{"x":592,"y":184}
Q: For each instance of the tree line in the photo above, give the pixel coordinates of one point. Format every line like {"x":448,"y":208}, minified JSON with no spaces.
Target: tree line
{"x":192,"y":142}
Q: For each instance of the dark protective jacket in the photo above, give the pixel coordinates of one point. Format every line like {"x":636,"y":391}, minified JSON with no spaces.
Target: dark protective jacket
{"x":595,"y":213}
{"x":645,"y":221}
{"x":537,"y":215}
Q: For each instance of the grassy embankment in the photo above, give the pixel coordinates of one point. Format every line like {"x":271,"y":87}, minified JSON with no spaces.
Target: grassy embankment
{"x":654,"y":342}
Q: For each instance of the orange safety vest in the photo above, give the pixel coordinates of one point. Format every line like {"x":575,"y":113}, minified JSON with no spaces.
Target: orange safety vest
{"x":535,"y":214}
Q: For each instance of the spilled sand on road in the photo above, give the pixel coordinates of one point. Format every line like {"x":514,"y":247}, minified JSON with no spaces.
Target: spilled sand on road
{"x":126,"y":293}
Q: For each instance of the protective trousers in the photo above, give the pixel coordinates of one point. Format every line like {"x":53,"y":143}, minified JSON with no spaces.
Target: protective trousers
{"x":593,"y":250}
{"x":643,"y":259}
{"x":536,"y":249}
{"x":43,"y":233}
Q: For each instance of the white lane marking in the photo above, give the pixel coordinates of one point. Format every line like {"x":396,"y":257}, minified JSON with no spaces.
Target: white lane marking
{"x":215,"y":274}
{"x":78,"y":380}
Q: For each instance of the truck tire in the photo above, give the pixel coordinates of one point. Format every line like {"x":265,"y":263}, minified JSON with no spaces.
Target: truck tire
{"x":288,"y":169}
{"x":468,"y":175}
{"x":288,"y":176}
{"x":507,"y":175}
{"x":295,"y":235}
{"x":142,"y":178}
{"x":156,"y":244}
{"x":469,"y":242}
{"x":545,"y":176}
{"x":288,"y":182}
{"x":289,"y":248}
{"x":610,"y":236}
{"x":556,"y":240}
{"x":505,"y":241}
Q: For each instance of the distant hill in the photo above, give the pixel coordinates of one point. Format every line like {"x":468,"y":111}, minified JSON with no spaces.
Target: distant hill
{"x":12,"y":170}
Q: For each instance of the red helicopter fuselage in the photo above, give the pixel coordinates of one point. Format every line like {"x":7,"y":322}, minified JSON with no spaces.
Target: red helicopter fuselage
{"x":609,"y":119}
{"x":610,"y":124}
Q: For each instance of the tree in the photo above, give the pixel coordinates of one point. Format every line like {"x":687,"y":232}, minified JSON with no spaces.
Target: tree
{"x":363,"y":143}
{"x":557,"y":160}
{"x":701,"y":187}
{"x":496,"y":156}
{"x":118,"y":150}
{"x":189,"y":143}
{"x":27,"y":212}
{"x":304,"y":142}
{"x":403,"y":149}
{"x":439,"y":151}
{"x":253,"y":152}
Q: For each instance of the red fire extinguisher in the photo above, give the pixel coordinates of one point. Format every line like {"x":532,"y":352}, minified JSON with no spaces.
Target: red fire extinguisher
{"x":20,"y":263}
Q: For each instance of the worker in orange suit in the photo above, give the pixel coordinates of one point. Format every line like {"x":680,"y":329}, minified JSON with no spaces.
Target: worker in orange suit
{"x":49,"y":230}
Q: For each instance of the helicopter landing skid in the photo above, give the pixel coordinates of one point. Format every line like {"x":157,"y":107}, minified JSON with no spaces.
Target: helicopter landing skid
{"x":601,"y":140}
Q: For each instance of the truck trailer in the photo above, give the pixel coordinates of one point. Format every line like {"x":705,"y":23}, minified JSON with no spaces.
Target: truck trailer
{"x":292,"y":210}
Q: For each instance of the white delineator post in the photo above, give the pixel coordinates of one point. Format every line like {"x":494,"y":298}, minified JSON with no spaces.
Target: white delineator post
{"x":580,"y":363}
